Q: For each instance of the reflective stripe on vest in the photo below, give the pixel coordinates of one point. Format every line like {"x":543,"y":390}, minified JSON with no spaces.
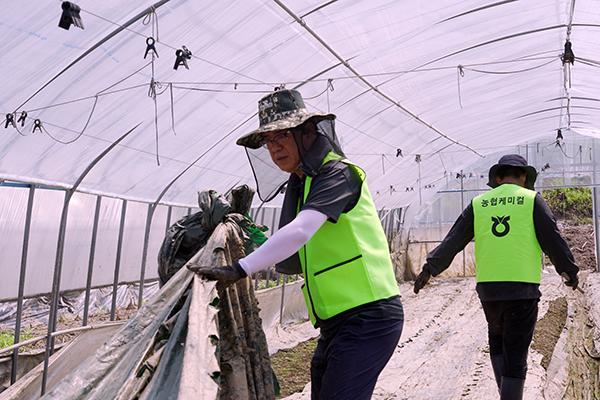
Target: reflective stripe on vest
{"x":506,"y":247}
{"x":347,"y":264}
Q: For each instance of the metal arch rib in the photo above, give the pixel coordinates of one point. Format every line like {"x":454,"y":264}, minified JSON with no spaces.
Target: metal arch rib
{"x":94,"y":47}
{"x":369,"y":84}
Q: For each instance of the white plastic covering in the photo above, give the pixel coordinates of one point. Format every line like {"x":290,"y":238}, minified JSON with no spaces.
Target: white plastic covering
{"x":449,"y":81}
{"x":43,"y":239}
{"x":422,"y":90}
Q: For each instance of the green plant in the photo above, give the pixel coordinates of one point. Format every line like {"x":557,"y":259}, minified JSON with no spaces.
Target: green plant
{"x":8,"y":339}
{"x":262,"y":284}
{"x":64,"y":318}
{"x":570,"y":203}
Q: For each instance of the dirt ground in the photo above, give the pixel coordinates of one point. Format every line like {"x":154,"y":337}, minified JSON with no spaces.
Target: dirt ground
{"x":581,"y":241}
{"x":66,"y":322}
{"x":443,"y":351}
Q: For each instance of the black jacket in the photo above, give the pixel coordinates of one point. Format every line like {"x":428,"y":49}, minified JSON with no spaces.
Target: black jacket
{"x":548,"y":236}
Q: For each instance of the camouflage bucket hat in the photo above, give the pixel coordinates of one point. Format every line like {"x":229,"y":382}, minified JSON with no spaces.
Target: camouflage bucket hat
{"x":282,"y":109}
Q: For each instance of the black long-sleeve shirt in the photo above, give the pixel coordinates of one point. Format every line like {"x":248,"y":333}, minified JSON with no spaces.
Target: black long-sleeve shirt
{"x":548,"y":236}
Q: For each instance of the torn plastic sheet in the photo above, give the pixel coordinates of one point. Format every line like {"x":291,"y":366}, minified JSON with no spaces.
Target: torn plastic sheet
{"x":61,"y":363}
{"x":104,"y":374}
{"x":36,"y":310}
{"x":125,"y":367}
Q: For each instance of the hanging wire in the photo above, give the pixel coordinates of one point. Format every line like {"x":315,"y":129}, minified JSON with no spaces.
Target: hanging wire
{"x":418,"y":161}
{"x":87,"y":98}
{"x":43,"y":128}
{"x":587,"y":61}
{"x":442,"y":161}
{"x":566,"y":65}
{"x":330,"y":87}
{"x":152,"y":18}
{"x":95,"y":97}
{"x":460,"y":73}
{"x":148,"y":18}
{"x":172,"y":109}
{"x":566,"y":155}
{"x":511,"y":72}
{"x":314,"y":97}
{"x":371,"y":86}
{"x":152,"y":94}
{"x":124,"y":79}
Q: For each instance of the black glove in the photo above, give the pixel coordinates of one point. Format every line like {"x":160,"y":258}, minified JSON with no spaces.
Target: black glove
{"x":227,"y":275}
{"x":422,"y":280}
{"x":571,"y":279}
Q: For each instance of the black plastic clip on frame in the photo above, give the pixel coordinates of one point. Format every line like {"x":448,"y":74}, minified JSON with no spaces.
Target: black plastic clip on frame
{"x":182,"y":56}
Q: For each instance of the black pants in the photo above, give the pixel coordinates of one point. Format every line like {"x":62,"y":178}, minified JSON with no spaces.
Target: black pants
{"x":346,"y":366}
{"x":510,"y":329}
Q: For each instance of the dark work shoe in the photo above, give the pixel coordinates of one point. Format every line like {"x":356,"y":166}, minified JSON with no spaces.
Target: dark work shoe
{"x":512,"y":388}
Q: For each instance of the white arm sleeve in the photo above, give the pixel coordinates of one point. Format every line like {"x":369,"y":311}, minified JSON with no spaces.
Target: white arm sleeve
{"x":285,"y":242}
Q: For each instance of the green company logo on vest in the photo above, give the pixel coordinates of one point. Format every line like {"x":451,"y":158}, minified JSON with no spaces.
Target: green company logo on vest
{"x":500,"y":220}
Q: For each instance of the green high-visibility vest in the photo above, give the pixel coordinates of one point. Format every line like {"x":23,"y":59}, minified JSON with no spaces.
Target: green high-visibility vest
{"x":347,"y":264}
{"x":506,"y":247}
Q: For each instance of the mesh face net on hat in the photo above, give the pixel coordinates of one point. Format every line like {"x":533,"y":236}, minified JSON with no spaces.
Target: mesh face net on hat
{"x":280,"y":110}
{"x":270,"y":180}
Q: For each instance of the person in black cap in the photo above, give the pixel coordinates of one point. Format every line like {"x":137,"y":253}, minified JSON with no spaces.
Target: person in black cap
{"x":512,"y":225}
{"x":330,"y":232}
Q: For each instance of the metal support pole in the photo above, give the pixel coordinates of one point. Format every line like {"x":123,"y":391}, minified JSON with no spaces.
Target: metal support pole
{"x":268,"y":277}
{"x":462,"y":207}
{"x":595,"y":215}
{"x":273,"y":227}
{"x":151,"y":208}
{"x":282,"y":300}
{"x":113,"y":307}
{"x":169,"y":212}
{"x":88,"y":285}
{"x":59,"y":256}
{"x":15,"y":355}
{"x":60,"y":247}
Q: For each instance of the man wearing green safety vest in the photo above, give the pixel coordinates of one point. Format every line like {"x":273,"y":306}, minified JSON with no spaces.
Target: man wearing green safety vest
{"x":511,"y":225}
{"x":330,"y":232}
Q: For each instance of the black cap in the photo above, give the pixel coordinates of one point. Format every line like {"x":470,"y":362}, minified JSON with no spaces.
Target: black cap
{"x":513,"y":160}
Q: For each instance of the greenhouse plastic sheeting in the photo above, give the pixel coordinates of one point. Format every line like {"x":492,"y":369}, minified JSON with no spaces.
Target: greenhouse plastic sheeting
{"x":36,"y":310}
{"x":421,"y":89}
{"x":61,"y":363}
{"x":106,"y":372}
{"x":43,"y":237}
{"x":134,"y":363}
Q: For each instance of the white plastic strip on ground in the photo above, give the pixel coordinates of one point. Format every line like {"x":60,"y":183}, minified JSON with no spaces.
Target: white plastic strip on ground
{"x":443,"y":352}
